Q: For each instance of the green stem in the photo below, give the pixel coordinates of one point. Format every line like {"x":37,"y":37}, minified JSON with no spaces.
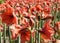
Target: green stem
{"x":0,"y":36}
{"x":18,"y":39}
{"x":9,"y":35}
{"x":39,"y":33}
{"x":4,"y":33}
{"x":36,"y":34}
{"x":31,"y":38}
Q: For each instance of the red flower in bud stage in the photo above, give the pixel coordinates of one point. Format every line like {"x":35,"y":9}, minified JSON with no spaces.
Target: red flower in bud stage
{"x":9,"y":17}
{"x":47,"y":32}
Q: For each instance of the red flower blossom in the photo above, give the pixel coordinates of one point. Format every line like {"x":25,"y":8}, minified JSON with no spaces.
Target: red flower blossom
{"x":47,"y":32}
{"x":15,"y":30}
{"x":32,"y":9}
{"x":39,"y":8}
{"x":29,"y":21}
{"x":25,"y":35}
{"x":9,"y":17}
{"x":22,"y":30}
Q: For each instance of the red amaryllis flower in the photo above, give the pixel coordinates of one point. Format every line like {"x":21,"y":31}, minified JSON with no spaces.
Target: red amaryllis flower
{"x":32,"y":9}
{"x":25,"y":35}
{"x":22,"y":30}
{"x":9,"y":17}
{"x":39,"y":8}
{"x":46,"y":12}
{"x":47,"y":9}
{"x":15,"y":30}
{"x":47,"y":32}
{"x":29,"y":21}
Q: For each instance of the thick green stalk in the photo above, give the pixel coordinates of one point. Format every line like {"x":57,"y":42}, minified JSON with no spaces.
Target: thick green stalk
{"x":35,"y":33}
{"x":37,"y":37}
{"x":18,"y":39}
{"x":31,"y":38}
{"x":39,"y":33}
{"x":9,"y":35}
{"x":1,"y":1}
{"x":4,"y":34}
{"x":0,"y":36}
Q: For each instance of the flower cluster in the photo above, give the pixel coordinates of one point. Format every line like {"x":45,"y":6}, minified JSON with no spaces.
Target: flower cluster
{"x":22,"y":16}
